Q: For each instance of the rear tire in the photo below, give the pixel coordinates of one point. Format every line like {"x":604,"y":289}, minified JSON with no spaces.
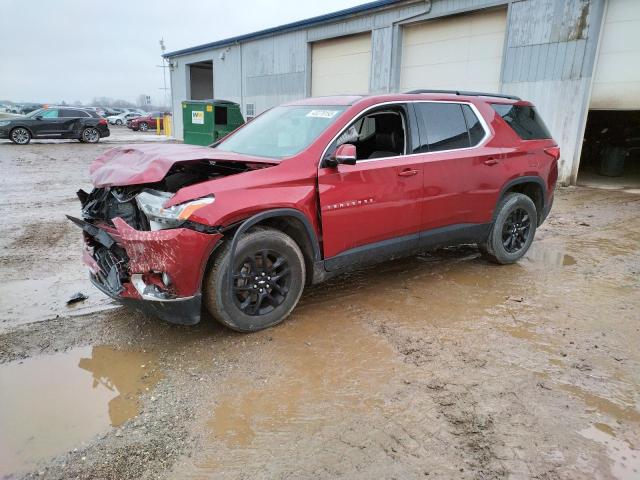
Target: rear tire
{"x":269,"y":276}
{"x":118,"y":122}
{"x":513,"y":230}
{"x":90,"y":135}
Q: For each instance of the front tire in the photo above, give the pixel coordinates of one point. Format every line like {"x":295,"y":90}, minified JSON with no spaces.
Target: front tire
{"x":90,"y":135}
{"x":118,"y":122}
{"x":269,"y":276}
{"x":144,"y":126}
{"x":512,"y":231}
{"x":20,"y":136}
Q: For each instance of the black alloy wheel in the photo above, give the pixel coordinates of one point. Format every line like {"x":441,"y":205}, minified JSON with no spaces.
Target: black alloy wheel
{"x":512,"y":231}
{"x":516,"y":230}
{"x":267,"y":279}
{"x":261,"y":282}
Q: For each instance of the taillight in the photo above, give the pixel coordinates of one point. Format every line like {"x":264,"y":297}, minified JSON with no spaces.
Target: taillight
{"x":554,"y":152}
{"x":102,"y":121}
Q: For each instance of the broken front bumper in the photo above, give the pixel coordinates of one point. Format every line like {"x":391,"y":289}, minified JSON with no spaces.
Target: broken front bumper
{"x":159,"y":272}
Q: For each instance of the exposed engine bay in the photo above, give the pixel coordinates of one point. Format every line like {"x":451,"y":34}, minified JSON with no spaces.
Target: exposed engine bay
{"x":141,"y":208}
{"x":141,"y":205}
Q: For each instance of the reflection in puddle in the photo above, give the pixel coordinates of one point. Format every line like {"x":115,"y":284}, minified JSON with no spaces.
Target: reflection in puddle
{"x":625,"y":460}
{"x":324,"y":371}
{"x":539,"y":253}
{"x":53,"y":403}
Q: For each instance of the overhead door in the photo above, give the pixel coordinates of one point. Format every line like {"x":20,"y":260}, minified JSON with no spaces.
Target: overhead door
{"x":617,"y":78}
{"x":462,"y":52}
{"x":341,"y":65}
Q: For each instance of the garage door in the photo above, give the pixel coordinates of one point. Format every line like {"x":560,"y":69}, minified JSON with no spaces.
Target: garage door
{"x":462,"y":52}
{"x":341,"y":65}
{"x":617,"y":79}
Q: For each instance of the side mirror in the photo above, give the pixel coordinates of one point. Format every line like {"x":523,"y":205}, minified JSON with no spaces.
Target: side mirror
{"x":345,"y":155}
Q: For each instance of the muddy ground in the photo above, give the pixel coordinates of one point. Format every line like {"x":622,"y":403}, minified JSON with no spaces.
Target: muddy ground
{"x":437,"y":366}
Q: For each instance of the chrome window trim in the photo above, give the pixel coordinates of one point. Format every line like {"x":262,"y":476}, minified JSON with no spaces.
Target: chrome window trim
{"x":481,"y":143}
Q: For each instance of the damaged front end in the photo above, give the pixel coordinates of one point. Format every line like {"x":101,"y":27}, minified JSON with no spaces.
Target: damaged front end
{"x":144,"y":254}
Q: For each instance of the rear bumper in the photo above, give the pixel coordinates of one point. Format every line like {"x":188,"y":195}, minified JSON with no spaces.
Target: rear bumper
{"x":158,"y":272}
{"x":105,"y":132}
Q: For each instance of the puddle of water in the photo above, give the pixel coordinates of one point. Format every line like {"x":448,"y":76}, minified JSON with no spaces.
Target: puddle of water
{"x":526,"y":331}
{"x":625,"y":460}
{"x":601,"y":404}
{"x":539,"y":253}
{"x":319,"y":370}
{"x":53,"y":403}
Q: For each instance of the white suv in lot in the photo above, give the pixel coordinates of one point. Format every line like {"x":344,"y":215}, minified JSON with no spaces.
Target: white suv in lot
{"x":122,"y":118}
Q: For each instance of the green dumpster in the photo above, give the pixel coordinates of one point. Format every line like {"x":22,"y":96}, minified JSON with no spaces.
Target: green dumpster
{"x":205,"y":121}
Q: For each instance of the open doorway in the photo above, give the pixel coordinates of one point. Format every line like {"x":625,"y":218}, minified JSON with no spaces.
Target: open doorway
{"x":611,"y":150}
{"x":201,"y":80}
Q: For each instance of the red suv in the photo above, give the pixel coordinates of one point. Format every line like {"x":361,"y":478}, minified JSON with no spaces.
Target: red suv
{"x":310,"y":189}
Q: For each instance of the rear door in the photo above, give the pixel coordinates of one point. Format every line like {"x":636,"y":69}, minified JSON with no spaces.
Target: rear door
{"x":71,"y":121}
{"x":460,"y":179}
{"x":376,"y":203}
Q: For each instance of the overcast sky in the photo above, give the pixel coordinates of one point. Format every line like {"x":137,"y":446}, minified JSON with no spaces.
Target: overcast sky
{"x":55,"y":50}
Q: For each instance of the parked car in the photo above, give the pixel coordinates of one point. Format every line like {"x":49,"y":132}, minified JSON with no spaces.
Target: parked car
{"x":28,"y":108}
{"x":55,"y":122}
{"x":308,"y":190}
{"x":147,"y":121}
{"x":122,"y":118}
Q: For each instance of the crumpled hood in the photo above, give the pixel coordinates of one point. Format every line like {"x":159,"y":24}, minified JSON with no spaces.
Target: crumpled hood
{"x":149,"y":163}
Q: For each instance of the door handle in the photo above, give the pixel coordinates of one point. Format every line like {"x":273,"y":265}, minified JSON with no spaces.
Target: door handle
{"x":491,"y":161}
{"x":407,"y":173}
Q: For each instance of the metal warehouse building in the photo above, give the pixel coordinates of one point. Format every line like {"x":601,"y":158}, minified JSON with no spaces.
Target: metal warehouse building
{"x":577,"y":60}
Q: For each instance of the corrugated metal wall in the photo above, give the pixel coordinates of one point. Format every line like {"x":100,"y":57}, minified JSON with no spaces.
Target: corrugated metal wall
{"x":549,"y":59}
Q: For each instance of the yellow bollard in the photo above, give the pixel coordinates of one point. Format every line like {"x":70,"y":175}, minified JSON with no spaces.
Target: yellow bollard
{"x":157,"y":126}
{"x":167,"y":125}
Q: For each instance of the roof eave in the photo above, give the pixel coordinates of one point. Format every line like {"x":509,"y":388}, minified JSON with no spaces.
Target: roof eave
{"x":283,"y":28}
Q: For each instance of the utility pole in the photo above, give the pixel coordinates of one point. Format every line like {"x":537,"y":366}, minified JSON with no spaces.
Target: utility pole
{"x":164,"y":66}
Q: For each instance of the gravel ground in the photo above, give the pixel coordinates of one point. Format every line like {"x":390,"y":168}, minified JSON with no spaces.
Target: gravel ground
{"x":436,"y":366}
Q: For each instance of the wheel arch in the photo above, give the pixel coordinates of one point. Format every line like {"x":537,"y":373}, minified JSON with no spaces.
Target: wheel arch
{"x":531,"y":186}
{"x":22,"y":126}
{"x":287,"y":220}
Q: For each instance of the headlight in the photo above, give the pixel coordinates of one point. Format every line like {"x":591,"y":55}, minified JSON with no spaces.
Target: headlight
{"x":4,"y":123}
{"x":151,"y":201}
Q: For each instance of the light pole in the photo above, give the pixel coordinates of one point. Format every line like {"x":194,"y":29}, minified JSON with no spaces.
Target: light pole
{"x":164,"y":67}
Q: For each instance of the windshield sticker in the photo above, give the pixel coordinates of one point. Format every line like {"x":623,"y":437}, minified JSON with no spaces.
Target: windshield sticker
{"x":322,"y":113}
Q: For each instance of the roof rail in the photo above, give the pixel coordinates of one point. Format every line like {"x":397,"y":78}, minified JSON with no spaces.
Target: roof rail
{"x":469,"y":94}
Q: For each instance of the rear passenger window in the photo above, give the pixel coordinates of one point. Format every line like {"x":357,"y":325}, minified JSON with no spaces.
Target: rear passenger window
{"x":524,"y":120}
{"x":476,"y":131}
{"x":73,"y":113}
{"x":442,"y":127}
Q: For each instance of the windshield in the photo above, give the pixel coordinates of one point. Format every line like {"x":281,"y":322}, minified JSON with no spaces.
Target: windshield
{"x":35,"y":112}
{"x":282,"y":131}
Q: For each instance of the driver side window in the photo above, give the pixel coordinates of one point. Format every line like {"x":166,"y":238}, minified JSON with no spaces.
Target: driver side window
{"x":377,"y":134}
{"x":50,"y":114}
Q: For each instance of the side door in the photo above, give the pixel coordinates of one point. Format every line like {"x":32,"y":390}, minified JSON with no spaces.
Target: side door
{"x":71,"y":122}
{"x":48,"y":124}
{"x":372,"y":208}
{"x":459,"y":184}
